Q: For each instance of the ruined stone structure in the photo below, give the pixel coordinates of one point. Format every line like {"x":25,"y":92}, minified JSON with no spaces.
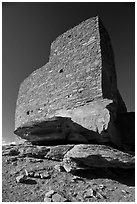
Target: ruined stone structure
{"x":74,"y":97}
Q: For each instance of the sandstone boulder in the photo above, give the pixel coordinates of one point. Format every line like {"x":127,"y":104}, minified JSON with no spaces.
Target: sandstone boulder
{"x":89,"y":156}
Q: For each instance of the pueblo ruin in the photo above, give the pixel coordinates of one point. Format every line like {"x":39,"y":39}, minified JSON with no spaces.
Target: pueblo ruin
{"x":74,"y":97}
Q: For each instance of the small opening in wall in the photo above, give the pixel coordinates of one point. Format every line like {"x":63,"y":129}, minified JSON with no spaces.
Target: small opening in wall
{"x":61,"y":70}
{"x":69,"y":36}
{"x":27,"y":112}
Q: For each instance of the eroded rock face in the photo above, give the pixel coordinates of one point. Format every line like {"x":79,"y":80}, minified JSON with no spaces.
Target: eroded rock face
{"x":74,"y":97}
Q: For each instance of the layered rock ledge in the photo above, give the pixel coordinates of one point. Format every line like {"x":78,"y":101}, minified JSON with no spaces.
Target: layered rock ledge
{"x":75,"y":156}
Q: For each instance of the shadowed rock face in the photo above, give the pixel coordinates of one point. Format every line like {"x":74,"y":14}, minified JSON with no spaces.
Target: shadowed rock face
{"x":74,"y":97}
{"x":125,"y":122}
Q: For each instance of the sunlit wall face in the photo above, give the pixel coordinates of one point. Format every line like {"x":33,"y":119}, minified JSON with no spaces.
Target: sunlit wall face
{"x":29,"y":28}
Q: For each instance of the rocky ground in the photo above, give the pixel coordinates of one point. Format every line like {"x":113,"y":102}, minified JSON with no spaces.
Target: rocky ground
{"x":73,"y":173}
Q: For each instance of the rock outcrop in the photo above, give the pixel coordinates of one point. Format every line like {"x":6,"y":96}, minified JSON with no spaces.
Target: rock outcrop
{"x":74,"y":157}
{"x":89,"y":156}
{"x":74,"y":97}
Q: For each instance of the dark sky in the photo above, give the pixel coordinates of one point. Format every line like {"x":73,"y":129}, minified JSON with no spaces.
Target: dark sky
{"x":29,"y":28}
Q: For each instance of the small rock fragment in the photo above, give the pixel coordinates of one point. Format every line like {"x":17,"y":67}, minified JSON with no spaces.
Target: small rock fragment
{"x":90,"y":193}
{"x":49,"y":193}
{"x":45,"y":175}
{"x":37,"y":175}
{"x":67,"y":168}
{"x":40,"y":160}
{"x":102,"y":187}
{"x":26,"y":173}
{"x":99,"y":195}
{"x":59,"y":168}
{"x":124,"y":191}
{"x":31,"y":174}
{"x":12,"y":159}
{"x":14,"y":163}
{"x":7,"y":161}
{"x":76,"y":178}
{"x":35,"y":160}
{"x":74,"y":194}
{"x":70,"y":165}
{"x":13,"y":152}
{"x":58,"y":198}
{"x":47,"y":199}
{"x":21,"y":178}
{"x":94,"y":193}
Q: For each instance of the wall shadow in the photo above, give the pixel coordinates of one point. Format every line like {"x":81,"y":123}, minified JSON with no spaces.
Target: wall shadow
{"x":123,"y":176}
{"x":115,"y":169}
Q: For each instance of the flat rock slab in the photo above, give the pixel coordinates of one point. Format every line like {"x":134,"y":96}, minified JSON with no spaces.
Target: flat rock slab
{"x":57,"y":152}
{"x":37,"y":153}
{"x":97,"y":156}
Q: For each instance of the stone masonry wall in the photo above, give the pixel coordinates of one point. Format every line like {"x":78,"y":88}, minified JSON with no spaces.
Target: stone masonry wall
{"x":73,"y":77}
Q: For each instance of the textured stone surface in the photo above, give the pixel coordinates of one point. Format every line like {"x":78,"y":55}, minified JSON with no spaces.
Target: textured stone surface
{"x":57,"y":152}
{"x":33,"y":151}
{"x":79,"y":82}
{"x":81,"y":156}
